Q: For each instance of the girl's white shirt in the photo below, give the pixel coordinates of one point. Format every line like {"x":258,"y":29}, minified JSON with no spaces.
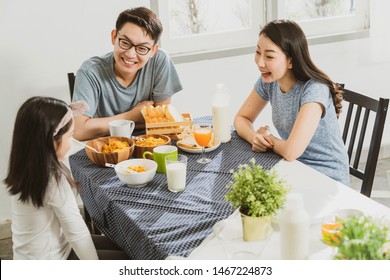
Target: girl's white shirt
{"x":51,"y":231}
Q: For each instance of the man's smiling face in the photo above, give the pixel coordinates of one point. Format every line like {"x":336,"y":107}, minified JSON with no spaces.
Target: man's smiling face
{"x":128,"y":62}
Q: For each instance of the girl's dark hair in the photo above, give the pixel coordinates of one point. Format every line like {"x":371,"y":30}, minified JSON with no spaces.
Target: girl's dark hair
{"x":292,"y":40}
{"x":144,"y":18}
{"x":33,"y":160}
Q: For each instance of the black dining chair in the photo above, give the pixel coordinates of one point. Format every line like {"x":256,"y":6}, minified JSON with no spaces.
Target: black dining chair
{"x":71,"y":78}
{"x":88,"y":220}
{"x":354,"y":132}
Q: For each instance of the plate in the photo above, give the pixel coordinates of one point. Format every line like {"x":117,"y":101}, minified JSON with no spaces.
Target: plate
{"x":199,"y":151}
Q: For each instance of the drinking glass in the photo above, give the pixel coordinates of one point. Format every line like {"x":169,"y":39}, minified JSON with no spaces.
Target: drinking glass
{"x":230,"y":237}
{"x":176,"y":166}
{"x":331,"y":233}
{"x":202,"y":135}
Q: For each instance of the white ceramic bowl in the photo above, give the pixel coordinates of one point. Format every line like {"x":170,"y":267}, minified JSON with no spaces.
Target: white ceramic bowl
{"x":136,"y":180}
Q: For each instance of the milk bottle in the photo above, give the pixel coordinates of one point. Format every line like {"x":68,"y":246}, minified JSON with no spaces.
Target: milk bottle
{"x":221,"y":113}
{"x":294,"y":229}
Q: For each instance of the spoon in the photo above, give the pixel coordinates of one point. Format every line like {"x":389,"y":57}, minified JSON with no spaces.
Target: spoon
{"x":85,"y":145}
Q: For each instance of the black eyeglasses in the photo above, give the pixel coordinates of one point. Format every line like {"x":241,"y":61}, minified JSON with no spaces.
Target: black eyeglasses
{"x":127,"y":45}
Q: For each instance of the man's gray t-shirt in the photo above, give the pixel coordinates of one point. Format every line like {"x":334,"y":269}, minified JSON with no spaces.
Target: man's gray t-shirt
{"x":326,"y":151}
{"x":96,"y":84}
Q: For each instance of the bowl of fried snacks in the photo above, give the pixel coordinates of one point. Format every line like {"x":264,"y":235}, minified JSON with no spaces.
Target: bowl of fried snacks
{"x":148,"y":142}
{"x":136,"y":172}
{"x":111,"y":149}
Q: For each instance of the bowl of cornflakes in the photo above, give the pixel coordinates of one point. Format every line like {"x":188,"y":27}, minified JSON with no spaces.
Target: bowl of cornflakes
{"x":136,"y":172}
{"x":111,"y":149}
{"x":148,"y":142}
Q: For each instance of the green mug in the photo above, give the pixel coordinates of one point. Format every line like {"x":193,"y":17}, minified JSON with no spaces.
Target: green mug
{"x":159,"y":154}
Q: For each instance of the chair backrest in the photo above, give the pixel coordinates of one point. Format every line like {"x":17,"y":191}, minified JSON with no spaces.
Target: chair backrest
{"x":355,"y":130}
{"x":71,"y":78}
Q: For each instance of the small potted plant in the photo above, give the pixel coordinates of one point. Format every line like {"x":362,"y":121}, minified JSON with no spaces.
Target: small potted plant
{"x":258,"y":194}
{"x":362,"y":238}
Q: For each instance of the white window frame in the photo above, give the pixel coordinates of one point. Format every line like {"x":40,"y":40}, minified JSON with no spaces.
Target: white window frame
{"x":337,"y":28}
{"x":212,"y":46}
{"x":207,"y":46}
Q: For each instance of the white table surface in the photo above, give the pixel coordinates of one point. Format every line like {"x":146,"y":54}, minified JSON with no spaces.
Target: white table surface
{"x":322,"y":196}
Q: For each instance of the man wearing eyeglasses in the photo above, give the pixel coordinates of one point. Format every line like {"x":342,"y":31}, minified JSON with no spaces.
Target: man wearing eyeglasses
{"x":119,"y":84}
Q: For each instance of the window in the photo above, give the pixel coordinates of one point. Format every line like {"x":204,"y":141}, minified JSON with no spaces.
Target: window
{"x":198,"y":26}
{"x":337,"y":16}
{"x":206,"y":29}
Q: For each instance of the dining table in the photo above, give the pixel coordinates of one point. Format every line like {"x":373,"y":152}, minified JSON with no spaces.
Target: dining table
{"x":154,"y":223}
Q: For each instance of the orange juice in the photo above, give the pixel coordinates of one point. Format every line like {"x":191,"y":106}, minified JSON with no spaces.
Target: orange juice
{"x":202,"y":136}
{"x":331,"y":232}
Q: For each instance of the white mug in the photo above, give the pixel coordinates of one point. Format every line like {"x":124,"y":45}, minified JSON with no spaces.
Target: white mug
{"x":122,"y":128}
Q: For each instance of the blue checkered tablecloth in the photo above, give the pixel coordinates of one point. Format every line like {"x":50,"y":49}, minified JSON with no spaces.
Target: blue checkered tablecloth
{"x":152,"y":222}
{"x":229,"y":155}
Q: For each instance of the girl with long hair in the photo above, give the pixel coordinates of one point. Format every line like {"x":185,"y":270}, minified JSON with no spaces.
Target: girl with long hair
{"x":46,"y":220}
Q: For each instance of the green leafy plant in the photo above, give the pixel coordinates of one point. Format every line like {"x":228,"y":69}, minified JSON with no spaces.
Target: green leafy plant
{"x":257,"y":192}
{"x":362,"y":238}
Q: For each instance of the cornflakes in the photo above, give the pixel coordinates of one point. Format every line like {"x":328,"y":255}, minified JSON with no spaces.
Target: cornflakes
{"x":115,"y":146}
{"x":150,"y":142}
{"x":137,"y":168}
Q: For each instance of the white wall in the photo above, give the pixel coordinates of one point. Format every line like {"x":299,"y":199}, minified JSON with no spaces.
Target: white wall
{"x":42,"y":40}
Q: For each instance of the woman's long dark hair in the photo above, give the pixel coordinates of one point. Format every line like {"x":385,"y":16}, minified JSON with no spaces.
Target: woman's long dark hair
{"x":33,"y":160}
{"x":288,"y":36}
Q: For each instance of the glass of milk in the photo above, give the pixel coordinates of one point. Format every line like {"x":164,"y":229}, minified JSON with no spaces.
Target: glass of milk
{"x":176,"y":166}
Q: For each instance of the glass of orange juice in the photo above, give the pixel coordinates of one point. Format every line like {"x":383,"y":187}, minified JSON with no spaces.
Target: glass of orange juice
{"x":202,"y":134}
{"x":331,"y":233}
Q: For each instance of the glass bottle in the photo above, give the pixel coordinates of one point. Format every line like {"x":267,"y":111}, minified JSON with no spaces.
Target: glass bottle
{"x":221,"y":113}
{"x":294,"y":229}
